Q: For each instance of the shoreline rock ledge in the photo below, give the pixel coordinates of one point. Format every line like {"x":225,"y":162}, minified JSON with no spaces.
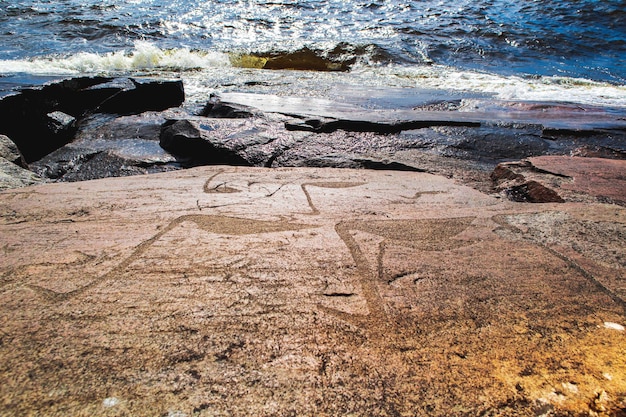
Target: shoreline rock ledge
{"x":311,"y":292}
{"x":95,"y":127}
{"x":42,"y":119}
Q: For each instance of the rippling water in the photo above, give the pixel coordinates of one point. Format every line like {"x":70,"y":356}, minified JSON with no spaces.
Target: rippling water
{"x":570,"y":48}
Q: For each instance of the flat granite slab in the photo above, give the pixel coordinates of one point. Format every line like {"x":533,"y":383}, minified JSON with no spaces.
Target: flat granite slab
{"x":222,"y":291}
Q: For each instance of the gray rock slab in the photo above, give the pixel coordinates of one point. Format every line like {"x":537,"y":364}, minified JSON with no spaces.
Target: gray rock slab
{"x":14,"y":176}
{"x":553,"y":117}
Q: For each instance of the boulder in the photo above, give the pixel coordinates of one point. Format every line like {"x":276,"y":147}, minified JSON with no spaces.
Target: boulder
{"x":217,"y":109}
{"x":35,"y":124}
{"x":10,"y":152}
{"x":302,"y":59}
{"x":108,"y":145}
{"x":76,"y":164}
{"x":192,"y":140}
{"x":59,"y":122}
{"x":40,"y":120}
{"x":14,"y":176}
{"x":257,"y":141}
{"x":139,"y":96}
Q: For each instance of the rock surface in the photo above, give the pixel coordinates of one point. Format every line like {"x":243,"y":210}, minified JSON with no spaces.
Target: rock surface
{"x":13,"y":168}
{"x":131,"y":143}
{"x":14,"y":176}
{"x":10,"y":152}
{"x":189,"y":140}
{"x":41,"y":120}
{"x":311,"y":292}
{"x":559,"y":178}
{"x":94,"y":122}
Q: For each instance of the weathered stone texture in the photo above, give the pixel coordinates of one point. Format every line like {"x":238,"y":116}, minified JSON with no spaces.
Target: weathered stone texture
{"x":556,"y":178}
{"x":247,"y":291}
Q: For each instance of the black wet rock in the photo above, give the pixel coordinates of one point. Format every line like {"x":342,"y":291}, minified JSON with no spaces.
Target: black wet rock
{"x":40,"y":120}
{"x":69,"y":164}
{"x":144,"y":95}
{"x":35,"y":124}
{"x":188,"y":139}
{"x":362,"y":125}
{"x":102,"y":165}
{"x":112,"y":145}
{"x":61,"y":123}
{"x":215,"y":108}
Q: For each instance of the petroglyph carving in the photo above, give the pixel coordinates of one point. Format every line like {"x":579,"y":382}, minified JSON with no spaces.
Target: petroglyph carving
{"x":304,"y":186}
{"x":221,"y":188}
{"x":421,"y":235}
{"x":419,"y":194}
{"x":543,"y":239}
{"x":213,"y":224}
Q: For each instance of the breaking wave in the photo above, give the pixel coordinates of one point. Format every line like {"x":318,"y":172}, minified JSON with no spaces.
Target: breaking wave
{"x":362,"y":65}
{"x":144,"y":57}
{"x":510,"y":87}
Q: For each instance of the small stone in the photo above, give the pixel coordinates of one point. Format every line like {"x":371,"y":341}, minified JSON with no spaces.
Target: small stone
{"x":59,"y":122}
{"x":110,"y":402}
{"x":613,"y":326}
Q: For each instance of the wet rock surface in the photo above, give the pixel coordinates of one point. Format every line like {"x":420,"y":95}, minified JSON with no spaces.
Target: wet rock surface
{"x":132,"y":141}
{"x":137,"y":126}
{"x":42,"y":119}
{"x":300,"y":291}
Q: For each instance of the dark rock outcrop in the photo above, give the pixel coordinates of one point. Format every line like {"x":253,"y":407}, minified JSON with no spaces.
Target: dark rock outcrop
{"x":533,"y":192}
{"x":40,"y":120}
{"x":87,"y":128}
{"x":35,"y":123}
{"x":388,"y":126}
{"x":217,"y":109}
{"x":190,"y":140}
{"x":144,"y":95}
{"x":305,"y":59}
{"x":340,"y":59}
{"x":107,"y":145}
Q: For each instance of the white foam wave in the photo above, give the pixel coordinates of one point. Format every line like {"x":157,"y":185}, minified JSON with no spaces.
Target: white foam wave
{"x":551,"y":88}
{"x":148,"y":58}
{"x":143,"y":57}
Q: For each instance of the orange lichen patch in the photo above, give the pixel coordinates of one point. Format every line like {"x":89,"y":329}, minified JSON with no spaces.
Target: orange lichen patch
{"x":579,"y":375}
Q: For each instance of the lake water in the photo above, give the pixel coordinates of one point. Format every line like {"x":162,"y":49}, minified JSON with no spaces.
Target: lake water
{"x":530,"y":50}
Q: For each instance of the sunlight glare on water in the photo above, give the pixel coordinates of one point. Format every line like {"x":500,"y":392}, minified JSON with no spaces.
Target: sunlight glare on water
{"x":494,"y":46}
